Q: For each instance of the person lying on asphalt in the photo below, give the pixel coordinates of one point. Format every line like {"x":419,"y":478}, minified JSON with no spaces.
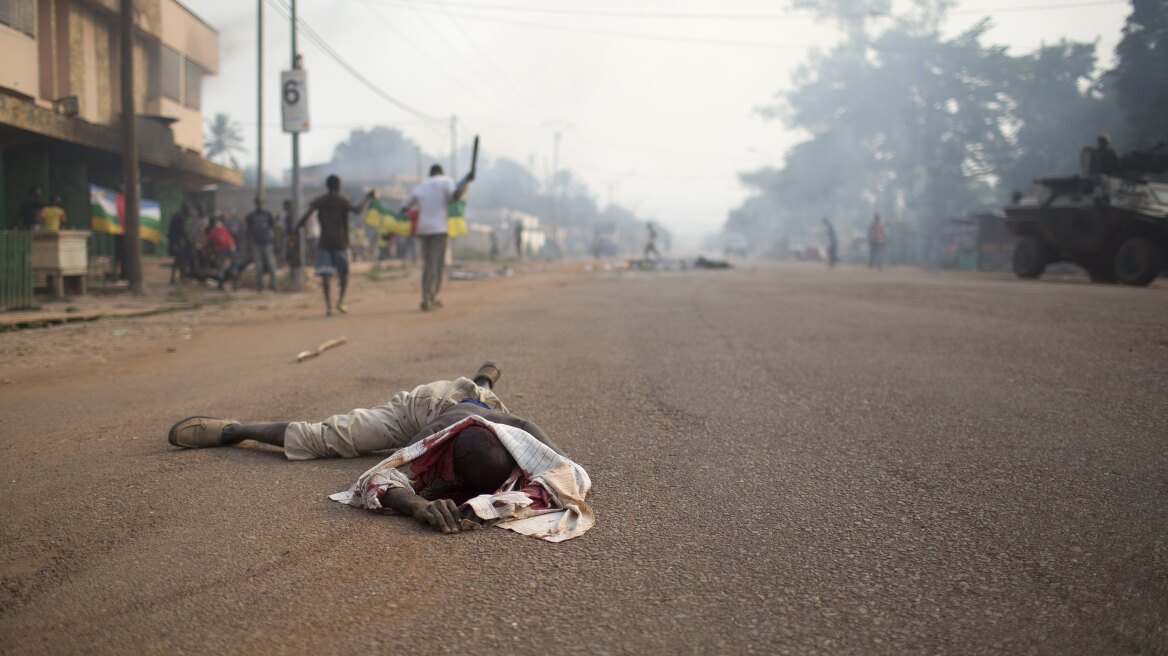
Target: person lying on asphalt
{"x":461,"y":460}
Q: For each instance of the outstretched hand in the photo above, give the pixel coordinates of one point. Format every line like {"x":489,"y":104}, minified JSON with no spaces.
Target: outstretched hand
{"x":441,"y":514}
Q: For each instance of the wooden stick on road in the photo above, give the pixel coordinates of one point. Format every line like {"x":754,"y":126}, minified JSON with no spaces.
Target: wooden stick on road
{"x":312,"y":353}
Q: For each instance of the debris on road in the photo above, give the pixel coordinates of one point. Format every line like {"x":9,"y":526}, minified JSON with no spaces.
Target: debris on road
{"x":312,"y":353}
{"x":469,"y":275}
{"x":703,"y":263}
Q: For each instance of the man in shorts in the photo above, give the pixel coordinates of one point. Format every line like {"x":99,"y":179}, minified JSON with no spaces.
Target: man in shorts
{"x":332,"y":254}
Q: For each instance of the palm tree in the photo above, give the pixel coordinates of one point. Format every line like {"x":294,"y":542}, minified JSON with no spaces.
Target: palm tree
{"x":224,"y":140}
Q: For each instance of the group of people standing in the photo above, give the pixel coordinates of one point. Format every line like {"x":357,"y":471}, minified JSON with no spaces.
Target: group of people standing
{"x":218,"y":248}
{"x":877,"y":240}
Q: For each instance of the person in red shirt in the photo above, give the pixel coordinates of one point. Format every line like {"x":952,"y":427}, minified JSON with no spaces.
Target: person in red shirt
{"x":221,"y":241}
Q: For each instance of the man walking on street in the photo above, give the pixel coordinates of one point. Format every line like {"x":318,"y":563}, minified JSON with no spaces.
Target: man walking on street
{"x":261,"y":228}
{"x":651,"y":246}
{"x":876,"y":240}
{"x":332,"y":255}
{"x":519,"y":239}
{"x":431,"y":198}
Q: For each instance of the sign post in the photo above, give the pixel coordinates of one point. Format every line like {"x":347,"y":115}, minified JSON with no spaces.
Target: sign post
{"x":294,"y":99}
{"x":294,"y":102}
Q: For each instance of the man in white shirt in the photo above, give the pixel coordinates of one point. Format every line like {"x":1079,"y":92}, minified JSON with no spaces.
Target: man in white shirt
{"x":431,"y":197}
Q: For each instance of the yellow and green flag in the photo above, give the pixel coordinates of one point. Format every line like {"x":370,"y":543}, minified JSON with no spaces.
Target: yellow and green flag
{"x":385,"y":220}
{"x":106,"y":208}
{"x":456,"y":219}
{"x":103,"y":210}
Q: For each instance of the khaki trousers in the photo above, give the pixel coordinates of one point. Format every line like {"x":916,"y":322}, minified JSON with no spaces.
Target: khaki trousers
{"x":433,"y":261}
{"x":390,"y":426}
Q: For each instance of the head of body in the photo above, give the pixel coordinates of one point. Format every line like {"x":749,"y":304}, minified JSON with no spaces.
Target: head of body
{"x":333,"y":184}
{"x":1104,"y":141}
{"x":876,"y":219}
{"x":259,"y":203}
{"x":435,"y":170}
{"x":481,"y":463}
{"x":288,"y":206}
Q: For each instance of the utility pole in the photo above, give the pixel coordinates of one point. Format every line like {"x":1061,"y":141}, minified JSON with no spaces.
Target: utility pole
{"x":418,"y":153}
{"x":556,"y":191}
{"x":454,"y":146}
{"x":558,"y":129}
{"x":131,"y":247}
{"x":260,"y":100}
{"x":298,"y":274}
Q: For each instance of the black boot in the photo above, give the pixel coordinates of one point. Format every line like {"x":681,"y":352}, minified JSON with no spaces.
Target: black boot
{"x":487,"y":376}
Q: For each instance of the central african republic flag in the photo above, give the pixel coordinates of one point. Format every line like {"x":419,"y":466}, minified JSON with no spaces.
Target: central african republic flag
{"x":107,"y":207}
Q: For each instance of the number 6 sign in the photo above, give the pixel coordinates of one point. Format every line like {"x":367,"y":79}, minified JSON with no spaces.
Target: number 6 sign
{"x":294,"y":100}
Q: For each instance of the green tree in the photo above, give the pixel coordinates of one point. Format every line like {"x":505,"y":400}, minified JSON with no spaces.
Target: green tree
{"x":1139,"y":78}
{"x":223,"y":140}
{"x":1059,"y":105}
{"x":382,"y":150}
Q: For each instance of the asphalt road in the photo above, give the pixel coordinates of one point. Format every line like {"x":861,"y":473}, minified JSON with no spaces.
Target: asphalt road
{"x":785,"y":460}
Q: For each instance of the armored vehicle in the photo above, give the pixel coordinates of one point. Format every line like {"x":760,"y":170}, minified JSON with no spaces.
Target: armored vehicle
{"x":1112,"y":220}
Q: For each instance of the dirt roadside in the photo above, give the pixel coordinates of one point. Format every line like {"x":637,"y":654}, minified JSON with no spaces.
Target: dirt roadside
{"x":87,"y":336}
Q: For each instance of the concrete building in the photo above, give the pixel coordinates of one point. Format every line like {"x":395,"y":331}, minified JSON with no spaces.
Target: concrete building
{"x":60,"y":102}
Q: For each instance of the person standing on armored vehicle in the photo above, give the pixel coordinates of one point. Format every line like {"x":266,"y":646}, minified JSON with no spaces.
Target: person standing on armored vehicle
{"x":1105,"y":160}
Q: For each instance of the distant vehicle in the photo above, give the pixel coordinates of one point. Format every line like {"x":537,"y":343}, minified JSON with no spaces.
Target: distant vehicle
{"x":1114,"y":225}
{"x":735,"y":245}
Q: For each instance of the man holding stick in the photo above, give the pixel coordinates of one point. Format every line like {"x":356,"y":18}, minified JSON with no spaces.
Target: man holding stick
{"x":432,"y":198}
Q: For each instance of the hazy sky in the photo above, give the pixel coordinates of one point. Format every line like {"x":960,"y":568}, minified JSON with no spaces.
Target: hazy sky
{"x":657,"y":97}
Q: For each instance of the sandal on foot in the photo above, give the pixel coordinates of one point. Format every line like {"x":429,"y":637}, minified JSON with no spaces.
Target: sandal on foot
{"x":199,"y":432}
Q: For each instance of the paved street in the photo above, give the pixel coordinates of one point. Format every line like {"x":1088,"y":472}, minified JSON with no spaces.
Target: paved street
{"x":785,"y":460}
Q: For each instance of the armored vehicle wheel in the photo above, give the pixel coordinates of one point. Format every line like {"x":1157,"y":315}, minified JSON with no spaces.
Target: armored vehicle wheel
{"x":1138,"y":261}
{"x":1030,"y":257}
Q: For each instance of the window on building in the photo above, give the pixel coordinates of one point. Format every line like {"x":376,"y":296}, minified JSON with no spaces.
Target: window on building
{"x":20,"y":15}
{"x":170,"y":81}
{"x":153,"y":72}
{"x":193,"y":85}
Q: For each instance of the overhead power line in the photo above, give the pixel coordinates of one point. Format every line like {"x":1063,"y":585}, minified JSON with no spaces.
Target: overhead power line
{"x":320,"y":43}
{"x":643,"y":36}
{"x":705,"y":16}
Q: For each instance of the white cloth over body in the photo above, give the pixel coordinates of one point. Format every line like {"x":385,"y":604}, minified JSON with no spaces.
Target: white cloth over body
{"x":432,"y":196}
{"x":566,"y":483}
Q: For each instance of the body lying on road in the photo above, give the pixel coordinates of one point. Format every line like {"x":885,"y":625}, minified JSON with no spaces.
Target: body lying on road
{"x":460,"y":459}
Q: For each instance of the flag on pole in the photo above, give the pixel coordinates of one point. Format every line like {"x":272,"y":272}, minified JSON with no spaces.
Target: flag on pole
{"x":106,"y":208}
{"x":456,"y":219}
{"x":385,"y":220}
